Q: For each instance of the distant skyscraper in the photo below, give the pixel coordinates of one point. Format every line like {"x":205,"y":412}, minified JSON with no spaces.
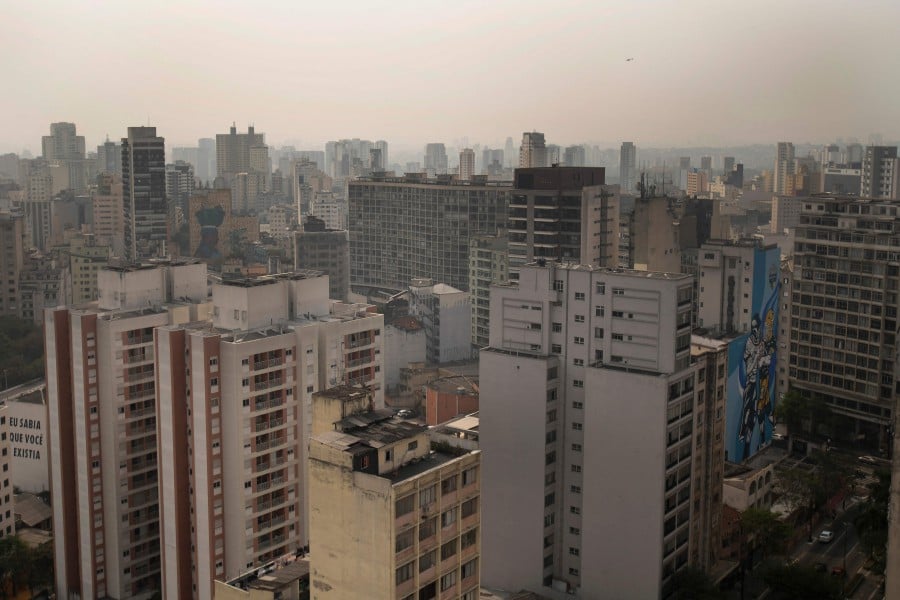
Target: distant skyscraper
{"x":435,"y":159}
{"x":385,"y":159}
{"x":109,"y":158}
{"x":180,"y":184}
{"x":376,"y":161}
{"x":533,"y":151}
{"x":880,"y":173}
{"x":509,"y":152}
{"x":233,"y":152}
{"x":706,"y":165}
{"x":574,"y":157}
{"x":727,"y":165}
{"x":684,"y":163}
{"x":784,"y":168}
{"x":853,"y":156}
{"x":62,"y":143}
{"x":627,"y":167}
{"x":144,"y":186}
{"x":466,"y":164}
{"x":206,"y":160}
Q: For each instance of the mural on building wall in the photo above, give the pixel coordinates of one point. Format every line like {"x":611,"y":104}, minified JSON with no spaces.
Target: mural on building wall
{"x":750,"y":404}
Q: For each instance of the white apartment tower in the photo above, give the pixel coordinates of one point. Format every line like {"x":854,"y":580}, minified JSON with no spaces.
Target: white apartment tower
{"x":237,"y":392}
{"x":627,"y":167}
{"x":466,"y":164}
{"x":101,"y":385}
{"x":587,"y":421}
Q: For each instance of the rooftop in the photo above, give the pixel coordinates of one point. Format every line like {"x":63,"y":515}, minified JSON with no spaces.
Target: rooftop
{"x":416,"y":468}
{"x":454,"y":384}
{"x":31,"y":509}
{"x":273,"y":576}
{"x":609,"y":270}
{"x":406,"y":323}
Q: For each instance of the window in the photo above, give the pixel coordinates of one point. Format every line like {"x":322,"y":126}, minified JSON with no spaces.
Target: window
{"x":405,"y":573}
{"x":551,"y":416}
{"x":579,"y":383}
{"x":469,"y":538}
{"x":448,"y":517}
{"x":575,"y":489}
{"x":404,"y":540}
{"x":549,"y":499}
{"x":550,"y":457}
{"x":549,"y":520}
{"x":449,"y":549}
{"x":617,"y":337}
{"x":579,"y":295}
{"x":427,"y":560}
{"x":599,"y":311}
{"x":404,"y":505}
{"x":427,"y":496}
{"x":574,"y":551}
{"x":576,"y":447}
{"x":577,"y":404}
{"x":448,"y":485}
{"x":427,"y":529}
{"x":598,"y":332}
{"x":601,"y":287}
{"x":578,"y":362}
{"x":548,"y":560}
{"x":618,"y":314}
{"x":469,"y":507}
{"x":550,"y":436}
{"x":550,"y":478}
{"x":412,"y":445}
{"x":574,"y":510}
{"x":558,"y":285}
{"x":576,"y":468}
{"x":574,"y":531}
{"x":557,"y":327}
{"x":573,"y":571}
{"x":448,"y":581}
{"x":577,"y":426}
{"x":555,"y":349}
{"x":579,"y":318}
{"x":469,"y":568}
{"x":618,"y":292}
{"x":579,"y":340}
{"x":469,"y":476}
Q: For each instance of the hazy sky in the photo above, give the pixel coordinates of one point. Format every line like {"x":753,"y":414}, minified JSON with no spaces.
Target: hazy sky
{"x":704,"y":73}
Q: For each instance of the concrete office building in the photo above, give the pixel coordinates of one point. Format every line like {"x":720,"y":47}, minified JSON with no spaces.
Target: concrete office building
{"x":145,"y":210}
{"x":574,"y":157}
{"x":109,"y":158}
{"x":103,"y":427}
{"x":840,"y":180}
{"x":389,"y":517}
{"x":843,"y":333}
{"x":62,"y":143}
{"x":326,"y":250}
{"x":446,"y":314}
{"x":563,"y":214}
{"x":628,"y":168}
{"x":533,"y":151}
{"x":488,"y":264}
{"x":880,"y":173}
{"x":588,"y":384}
{"x":180,"y":184}
{"x":466,"y":164}
{"x":784,"y":169}
{"x":108,"y":211}
{"x":406,"y":227}
{"x":328,"y":207}
{"x":435,"y":159}
{"x":785,"y":213}
{"x":86,"y":258}
{"x":233,"y":151}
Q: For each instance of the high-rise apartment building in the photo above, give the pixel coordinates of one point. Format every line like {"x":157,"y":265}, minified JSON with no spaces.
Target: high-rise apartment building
{"x":627,"y":167}
{"x":466,"y":164}
{"x":406,"y":227}
{"x":109,"y":157}
{"x":574,"y":156}
{"x":784,"y":168}
{"x":108,"y":211}
{"x":62,"y":143}
{"x":445,"y":313}
{"x":588,"y":383}
{"x":86,"y":258}
{"x":564,"y":214}
{"x":533,"y":151}
{"x":12,"y":259}
{"x":237,"y":391}
{"x":706,"y":165}
{"x":233,"y":152}
{"x":435,"y":159}
{"x":180,"y":184}
{"x":382,"y":146}
{"x":843,"y":327}
{"x":145,"y":210}
{"x":880,"y":173}
{"x":101,"y":384}
{"x":380,"y":497}
{"x":320,"y":248}
{"x":488,"y":264}
{"x":727,"y":165}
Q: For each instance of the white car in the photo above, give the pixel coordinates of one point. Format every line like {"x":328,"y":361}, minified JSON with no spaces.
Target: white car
{"x":826,"y":536}
{"x":869,"y":460}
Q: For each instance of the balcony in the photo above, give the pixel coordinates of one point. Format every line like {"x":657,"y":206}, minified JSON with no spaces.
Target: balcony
{"x":266,"y":384}
{"x":268,"y":364}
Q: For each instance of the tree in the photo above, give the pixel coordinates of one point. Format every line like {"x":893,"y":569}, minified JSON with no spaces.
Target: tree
{"x":872,"y":523}
{"x":801,"y":583}
{"x":691,"y":583}
{"x":41,"y":559}
{"x":15,"y":567}
{"x":791,"y":410}
{"x":766,"y":531}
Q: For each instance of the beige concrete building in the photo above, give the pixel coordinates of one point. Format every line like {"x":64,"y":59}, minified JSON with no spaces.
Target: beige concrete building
{"x":12,"y":259}
{"x":326,"y":250}
{"x":86,"y":258}
{"x":101,"y":384}
{"x":488,"y":264}
{"x":389,"y":517}
{"x":106,"y":200}
{"x":466,"y":164}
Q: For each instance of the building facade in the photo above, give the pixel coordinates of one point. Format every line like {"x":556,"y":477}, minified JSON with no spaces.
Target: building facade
{"x":583,"y":360}
{"x":407,"y":227}
{"x":445,"y":313}
{"x":325,"y":250}
{"x":627,"y":167}
{"x":880,"y":177}
{"x":563,"y":214}
{"x":488,"y":264}
{"x":533,"y":151}
{"x":145,"y":209}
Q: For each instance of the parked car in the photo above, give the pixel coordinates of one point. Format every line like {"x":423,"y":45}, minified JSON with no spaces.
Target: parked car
{"x":826,"y":536}
{"x":869,"y":460}
{"x":405,"y":413}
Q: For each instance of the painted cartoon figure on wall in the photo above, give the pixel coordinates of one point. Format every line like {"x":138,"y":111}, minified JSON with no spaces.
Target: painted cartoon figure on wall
{"x":758,"y":360}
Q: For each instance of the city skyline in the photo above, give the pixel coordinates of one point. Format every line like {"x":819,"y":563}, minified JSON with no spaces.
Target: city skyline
{"x":734,"y":86}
